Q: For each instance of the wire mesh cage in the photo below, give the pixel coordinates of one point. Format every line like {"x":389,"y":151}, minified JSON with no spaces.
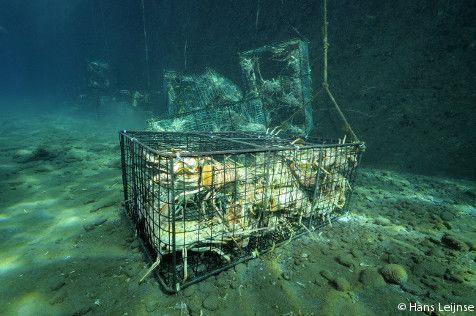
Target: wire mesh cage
{"x":203,"y":202}
{"x":280,"y":75}
{"x":189,"y":93}
{"x":244,"y":115}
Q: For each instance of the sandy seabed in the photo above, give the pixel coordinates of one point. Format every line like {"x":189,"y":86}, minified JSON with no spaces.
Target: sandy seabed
{"x":67,"y":247}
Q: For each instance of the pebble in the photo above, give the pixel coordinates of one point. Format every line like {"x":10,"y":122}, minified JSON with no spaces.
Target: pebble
{"x":341,"y":284}
{"x":370,"y":277}
{"x":382,"y":221}
{"x":189,"y":291}
{"x":355,"y":253}
{"x":206,"y":287}
{"x":58,"y":299}
{"x":413,"y":289}
{"x":222,"y":282}
{"x":345,"y":260}
{"x":58,"y":285}
{"x":194,"y":304}
{"x":327,"y":275}
{"x":432,"y":268}
{"x":211,"y":303}
{"x":286,"y":276}
{"x":447,"y":216}
{"x":83,"y":310}
{"x":456,"y":278}
{"x":454,"y":243}
{"x":394,"y":273}
{"x":93,"y":225}
{"x":151,"y":305}
{"x":240,"y":268}
{"x":134,"y":244}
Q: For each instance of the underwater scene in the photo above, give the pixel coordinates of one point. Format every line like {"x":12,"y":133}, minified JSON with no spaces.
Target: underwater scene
{"x":237,"y":157}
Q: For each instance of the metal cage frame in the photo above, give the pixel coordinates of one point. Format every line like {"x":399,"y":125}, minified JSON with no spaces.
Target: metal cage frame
{"x":281,"y":67}
{"x":204,"y":202}
{"x":234,"y":116}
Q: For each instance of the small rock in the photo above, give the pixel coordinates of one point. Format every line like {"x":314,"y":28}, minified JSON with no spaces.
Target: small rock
{"x":448,"y":225}
{"x":319,"y":281}
{"x":458,"y":278}
{"x":413,"y":289}
{"x":472,"y":245}
{"x":240,"y":268}
{"x":345,"y":260}
{"x":327,"y":275}
{"x":342,"y":284}
{"x":222,"y":282}
{"x":93,"y":225}
{"x":431,"y":283}
{"x":355,"y":253}
{"x":182,"y":307}
{"x":89,"y":227}
{"x":382,"y":221}
{"x":151,"y":305}
{"x":392,"y":258}
{"x":434,"y":240}
{"x":394,"y":273}
{"x":134,"y":244}
{"x":100,"y":221}
{"x":471,"y":193}
{"x":432,"y":268}
{"x":83,"y":310}
{"x":194,"y":304}
{"x":447,"y":216}
{"x":371,"y":278}
{"x":286,"y":276}
{"x":211,"y":303}
{"x":58,"y":285}
{"x":58,"y":299}
{"x":454,"y":243}
{"x":189,"y":291}
{"x":207,"y":287}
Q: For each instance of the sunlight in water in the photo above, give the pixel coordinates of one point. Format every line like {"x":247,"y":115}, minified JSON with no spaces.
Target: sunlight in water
{"x":4,"y":217}
{"x":31,"y":304}
{"x":8,"y":263}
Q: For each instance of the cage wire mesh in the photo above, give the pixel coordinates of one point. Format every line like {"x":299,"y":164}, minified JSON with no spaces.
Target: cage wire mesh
{"x":203,"y":202}
{"x":278,"y":85}
{"x":280,"y":76}
{"x":187,"y":93}
{"x":244,"y":115}
{"x":208,"y":102}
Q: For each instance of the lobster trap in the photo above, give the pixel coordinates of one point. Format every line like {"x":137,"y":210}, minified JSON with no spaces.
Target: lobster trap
{"x":244,"y":115}
{"x":204,"y":202}
{"x":280,"y":76}
{"x":188,"y":93}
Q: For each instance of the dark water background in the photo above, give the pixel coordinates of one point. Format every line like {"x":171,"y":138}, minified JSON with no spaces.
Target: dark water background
{"x":403,"y":71}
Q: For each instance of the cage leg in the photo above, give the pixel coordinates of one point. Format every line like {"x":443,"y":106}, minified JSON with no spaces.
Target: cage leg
{"x":218,"y":251}
{"x":221,"y":253}
{"x":152,"y":267}
{"x":185,"y":263}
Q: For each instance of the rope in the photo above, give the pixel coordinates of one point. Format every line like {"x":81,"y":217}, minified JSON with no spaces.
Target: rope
{"x":325,"y":84}
{"x":146,"y":47}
